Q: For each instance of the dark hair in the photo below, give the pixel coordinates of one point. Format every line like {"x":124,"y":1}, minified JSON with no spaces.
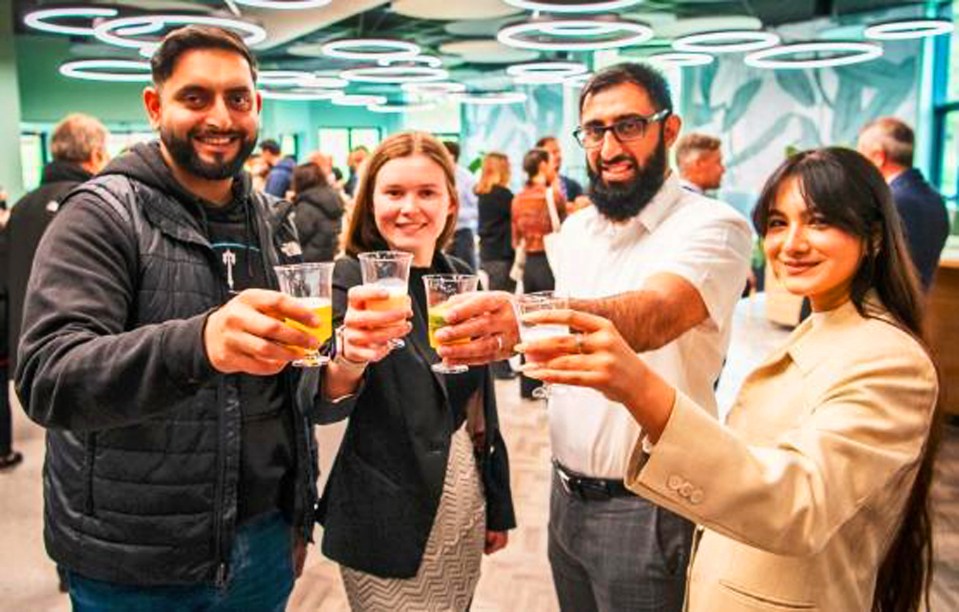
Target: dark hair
{"x":453,"y":148}
{"x":191,"y":38}
{"x":270,"y":146}
{"x":307,"y":176}
{"x":363,"y":235}
{"x":850,"y":193}
{"x":532,"y":161}
{"x":641,"y":75}
{"x":545,"y":140}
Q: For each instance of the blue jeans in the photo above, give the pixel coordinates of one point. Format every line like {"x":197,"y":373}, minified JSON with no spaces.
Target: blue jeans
{"x":260,"y":579}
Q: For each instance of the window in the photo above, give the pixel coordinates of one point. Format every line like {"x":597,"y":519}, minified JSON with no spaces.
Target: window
{"x":945,"y":167}
{"x":338,"y":142}
{"x":32,"y":157}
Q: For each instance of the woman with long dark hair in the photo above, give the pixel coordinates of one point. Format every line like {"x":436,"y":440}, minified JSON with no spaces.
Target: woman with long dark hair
{"x":813,"y":495}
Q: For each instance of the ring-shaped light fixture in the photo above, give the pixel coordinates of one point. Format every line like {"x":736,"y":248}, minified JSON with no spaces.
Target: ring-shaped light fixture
{"x":343,"y":99}
{"x":580,"y":34}
{"x":726,"y":41}
{"x":904,"y":29}
{"x":434,"y":88}
{"x":316,"y":81}
{"x":545,"y":72}
{"x":395,"y":74}
{"x":117,"y":70}
{"x":845,"y":53}
{"x":577,"y":82}
{"x":357,"y":49}
{"x":297,"y":95}
{"x":582,"y":7}
{"x":427,"y":60}
{"x":41,"y":20}
{"x":498,"y":97}
{"x":281,"y":78}
{"x":284,"y":5}
{"x":401,"y":108}
{"x":123,"y":32}
{"x":681,"y":59}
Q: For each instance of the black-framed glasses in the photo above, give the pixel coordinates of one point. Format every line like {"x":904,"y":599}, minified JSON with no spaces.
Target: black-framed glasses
{"x":625,"y":129}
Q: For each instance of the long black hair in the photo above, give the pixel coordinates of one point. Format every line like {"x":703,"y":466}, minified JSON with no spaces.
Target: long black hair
{"x":850,"y":194}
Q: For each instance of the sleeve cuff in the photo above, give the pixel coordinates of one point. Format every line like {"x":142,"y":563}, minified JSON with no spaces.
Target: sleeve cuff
{"x":184,"y":351}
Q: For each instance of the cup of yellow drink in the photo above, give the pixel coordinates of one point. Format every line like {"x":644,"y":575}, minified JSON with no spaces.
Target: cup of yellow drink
{"x":439,"y":289}
{"x":312,"y":285}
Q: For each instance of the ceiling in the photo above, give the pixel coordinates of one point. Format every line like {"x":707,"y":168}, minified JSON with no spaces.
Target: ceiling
{"x":462,"y":33}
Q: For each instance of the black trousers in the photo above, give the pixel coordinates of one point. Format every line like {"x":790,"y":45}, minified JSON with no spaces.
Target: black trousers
{"x":464,"y":246}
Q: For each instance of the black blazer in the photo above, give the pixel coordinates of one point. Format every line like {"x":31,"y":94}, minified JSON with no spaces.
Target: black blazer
{"x":385,"y":485}
{"x":924,"y":220}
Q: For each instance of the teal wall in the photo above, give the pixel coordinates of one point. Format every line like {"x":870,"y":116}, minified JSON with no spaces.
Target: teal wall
{"x":304,"y":119}
{"x":10,"y":169}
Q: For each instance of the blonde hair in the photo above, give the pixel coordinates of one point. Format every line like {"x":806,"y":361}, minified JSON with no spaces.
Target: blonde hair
{"x":496,"y":172}
{"x":363,"y":235}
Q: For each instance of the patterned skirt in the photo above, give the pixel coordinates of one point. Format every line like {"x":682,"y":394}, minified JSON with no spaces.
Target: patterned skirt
{"x":450,"y":568}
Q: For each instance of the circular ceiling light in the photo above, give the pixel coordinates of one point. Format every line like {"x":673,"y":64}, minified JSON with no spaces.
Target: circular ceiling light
{"x":435,"y":88}
{"x":427,"y":60}
{"x":316,"y":81}
{"x":566,"y":7}
{"x":281,"y":78}
{"x":401,"y":108}
{"x":545,"y":72}
{"x":395,"y":74}
{"x":577,"y":82}
{"x":726,"y":41}
{"x":499,"y":97}
{"x":297,"y":95}
{"x":370,"y":49}
{"x":583,"y":34}
{"x":357,"y":99}
{"x":40,"y":20}
{"x":118,"y":70}
{"x":908,"y":28}
{"x":680,"y":59}
{"x":840,"y":53}
{"x":289,"y":5}
{"x":122,"y":32}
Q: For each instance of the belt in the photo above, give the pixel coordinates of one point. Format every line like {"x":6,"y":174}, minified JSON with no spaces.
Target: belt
{"x":590,"y":489}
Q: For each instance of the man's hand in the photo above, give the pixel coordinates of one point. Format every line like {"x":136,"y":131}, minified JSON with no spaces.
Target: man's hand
{"x":488,"y":320}
{"x":247,"y":334}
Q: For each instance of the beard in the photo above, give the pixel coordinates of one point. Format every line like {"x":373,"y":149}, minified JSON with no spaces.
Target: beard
{"x":185,"y":155}
{"x":624,"y":200}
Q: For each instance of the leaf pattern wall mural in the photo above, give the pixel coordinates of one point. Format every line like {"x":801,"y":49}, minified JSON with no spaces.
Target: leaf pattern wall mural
{"x":760,"y":113}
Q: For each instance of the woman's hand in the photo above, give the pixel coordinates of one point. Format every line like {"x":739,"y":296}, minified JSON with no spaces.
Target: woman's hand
{"x":598,"y":357}
{"x":495,"y":540}
{"x":366,"y":332}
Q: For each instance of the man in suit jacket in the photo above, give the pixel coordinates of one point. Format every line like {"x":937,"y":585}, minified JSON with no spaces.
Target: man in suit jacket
{"x":889,"y":143}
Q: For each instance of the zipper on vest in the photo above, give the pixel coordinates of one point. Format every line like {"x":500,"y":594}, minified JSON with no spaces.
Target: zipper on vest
{"x":221,"y":576}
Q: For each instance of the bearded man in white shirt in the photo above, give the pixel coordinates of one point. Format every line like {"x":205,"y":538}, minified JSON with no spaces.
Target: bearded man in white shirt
{"x":667,"y":266}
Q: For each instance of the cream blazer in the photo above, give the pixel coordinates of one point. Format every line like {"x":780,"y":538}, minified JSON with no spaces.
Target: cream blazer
{"x":802,"y":492}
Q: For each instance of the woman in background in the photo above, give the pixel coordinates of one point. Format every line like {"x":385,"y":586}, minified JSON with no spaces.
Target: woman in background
{"x":814,"y":494}
{"x":420,"y":487}
{"x":319,"y":213}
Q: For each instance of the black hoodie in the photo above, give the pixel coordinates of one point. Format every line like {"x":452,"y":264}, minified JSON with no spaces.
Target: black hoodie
{"x":267,"y":456}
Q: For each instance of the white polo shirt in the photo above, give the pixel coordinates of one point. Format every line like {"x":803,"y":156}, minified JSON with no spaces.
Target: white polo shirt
{"x":704,"y":241}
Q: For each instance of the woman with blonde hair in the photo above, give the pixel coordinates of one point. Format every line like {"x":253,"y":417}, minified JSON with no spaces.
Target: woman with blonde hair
{"x":814,"y":494}
{"x":420,"y":487}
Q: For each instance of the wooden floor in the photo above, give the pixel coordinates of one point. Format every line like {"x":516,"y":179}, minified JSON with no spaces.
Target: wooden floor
{"x":514,"y":579}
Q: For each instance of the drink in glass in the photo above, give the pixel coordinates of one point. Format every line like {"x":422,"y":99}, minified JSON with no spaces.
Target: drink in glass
{"x":388,"y":270}
{"x":312,"y":285}
{"x":439,"y":289}
{"x":528,"y":332}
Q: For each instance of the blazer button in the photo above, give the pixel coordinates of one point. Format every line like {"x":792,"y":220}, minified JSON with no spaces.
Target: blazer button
{"x":674,"y":482}
{"x":696,"y":496}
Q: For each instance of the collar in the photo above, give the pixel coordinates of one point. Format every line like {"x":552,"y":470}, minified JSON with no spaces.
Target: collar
{"x":691,"y":186}
{"x":652,"y":215}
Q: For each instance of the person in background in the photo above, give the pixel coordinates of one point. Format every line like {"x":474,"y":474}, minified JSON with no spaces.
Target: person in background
{"x":467,"y":221}
{"x":889,"y":144}
{"x":699,"y":158}
{"x":3,"y":198}
{"x":354,"y":162}
{"x":258,"y":169}
{"x":495,"y":232}
{"x":318,"y":213}
{"x":570,"y":188}
{"x":180,"y":471}
{"x":667,"y":266}
{"x":814,"y":494}
{"x":280,"y":176}
{"x":420,"y":487}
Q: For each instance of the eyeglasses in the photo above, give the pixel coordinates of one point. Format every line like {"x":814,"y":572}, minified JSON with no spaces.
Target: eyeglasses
{"x":625,"y":129}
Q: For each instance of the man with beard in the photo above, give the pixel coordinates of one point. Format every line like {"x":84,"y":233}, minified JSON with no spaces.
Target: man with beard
{"x":666,"y":266}
{"x":180,"y":469}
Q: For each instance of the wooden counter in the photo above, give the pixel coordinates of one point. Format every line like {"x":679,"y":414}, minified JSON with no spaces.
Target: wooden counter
{"x":943,"y":317}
